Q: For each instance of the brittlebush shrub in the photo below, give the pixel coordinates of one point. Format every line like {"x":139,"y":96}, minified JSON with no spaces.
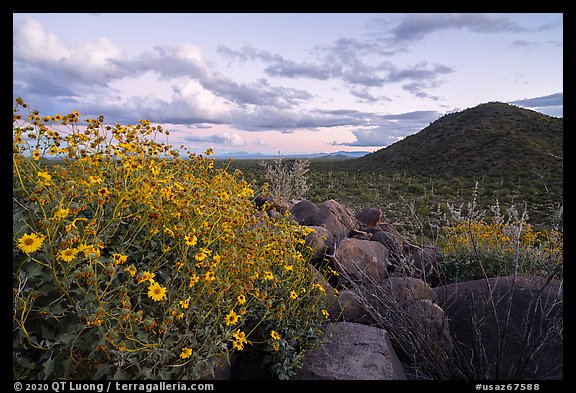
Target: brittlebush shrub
{"x":474,"y":248}
{"x":133,"y":259}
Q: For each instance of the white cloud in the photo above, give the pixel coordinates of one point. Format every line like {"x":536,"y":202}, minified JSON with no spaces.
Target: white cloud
{"x":69,"y":62}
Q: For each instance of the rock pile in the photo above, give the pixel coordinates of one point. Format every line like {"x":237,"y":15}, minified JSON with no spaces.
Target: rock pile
{"x":389,"y":287}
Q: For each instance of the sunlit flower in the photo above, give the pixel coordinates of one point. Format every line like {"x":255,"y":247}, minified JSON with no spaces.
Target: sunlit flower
{"x":191,"y":240}
{"x":45,"y":178}
{"x":325,"y":313}
{"x":241,"y":299}
{"x":61,"y":213}
{"x":194,"y":278}
{"x":274,"y":334}
{"x":94,"y":180}
{"x":119,"y":258}
{"x":36,"y":154}
{"x":68,"y":254}
{"x":293,"y":295}
{"x":131,"y":270}
{"x":240,"y":340}
{"x":29,"y":243}
{"x":145,"y":276}
{"x":186,"y":353}
{"x":185,"y":303}
{"x":156,"y":292}
{"x":231,"y":318}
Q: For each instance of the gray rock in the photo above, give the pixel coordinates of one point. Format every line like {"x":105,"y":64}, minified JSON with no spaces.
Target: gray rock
{"x":304,"y":212}
{"x":479,"y":312}
{"x":319,"y":242}
{"x":408,"y":289}
{"x":370,"y":216}
{"x":392,"y":243}
{"x":348,"y":308}
{"x":353,"y":352}
{"x":335,"y":217}
{"x":425,"y":260}
{"x":361,"y":259}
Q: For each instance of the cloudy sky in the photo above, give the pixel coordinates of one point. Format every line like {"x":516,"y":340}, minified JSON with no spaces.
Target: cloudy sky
{"x":286,"y":83}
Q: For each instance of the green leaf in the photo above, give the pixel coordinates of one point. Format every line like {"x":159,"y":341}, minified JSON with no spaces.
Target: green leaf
{"x":47,"y":334}
{"x":102,"y":371}
{"x":47,"y":369}
{"x":121,"y":374}
{"x":32,"y":270}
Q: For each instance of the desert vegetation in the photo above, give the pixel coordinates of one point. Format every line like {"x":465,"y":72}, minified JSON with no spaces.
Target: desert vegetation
{"x":136,"y":259}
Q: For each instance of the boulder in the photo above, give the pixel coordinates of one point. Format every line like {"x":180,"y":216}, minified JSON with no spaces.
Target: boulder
{"x":508,"y":328}
{"x":348,"y":308}
{"x":430,"y":320}
{"x":358,"y":234}
{"x":304,"y":212}
{"x":352,"y":352}
{"x":424,"y":260}
{"x":329,"y":292}
{"x":319,"y":242}
{"x":361,"y":260}
{"x":370,"y":216}
{"x":335,"y":217}
{"x":408,"y":290}
{"x":392,"y":243}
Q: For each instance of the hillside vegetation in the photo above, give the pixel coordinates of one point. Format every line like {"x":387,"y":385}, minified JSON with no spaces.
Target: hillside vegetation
{"x":498,"y":151}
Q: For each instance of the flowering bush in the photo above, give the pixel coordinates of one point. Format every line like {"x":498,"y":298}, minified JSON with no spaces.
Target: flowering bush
{"x":475,"y":246}
{"x":134,"y":259}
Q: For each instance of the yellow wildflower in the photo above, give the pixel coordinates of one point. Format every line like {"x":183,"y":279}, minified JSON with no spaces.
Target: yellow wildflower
{"x":185,"y":303}
{"x":194,"y":278}
{"x":231,"y":318}
{"x":146,"y":276}
{"x":119,"y":258}
{"x":45,"y":178}
{"x":191,"y":240}
{"x":30,"y":243}
{"x":156,"y":292}
{"x":186,"y":353}
{"x":68,"y":254}
{"x":131,"y":270}
{"x":61,"y":214}
{"x":274,"y":334}
{"x":240,"y":340}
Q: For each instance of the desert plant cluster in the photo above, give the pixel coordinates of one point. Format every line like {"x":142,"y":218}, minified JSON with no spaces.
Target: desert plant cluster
{"x":135,"y":259}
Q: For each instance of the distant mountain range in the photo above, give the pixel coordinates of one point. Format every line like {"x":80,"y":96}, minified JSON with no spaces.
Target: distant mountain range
{"x":340,"y":155}
{"x":492,"y":139}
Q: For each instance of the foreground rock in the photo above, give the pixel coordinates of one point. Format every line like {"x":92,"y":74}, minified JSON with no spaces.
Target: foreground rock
{"x":361,"y":259}
{"x":509,"y":329}
{"x":335,"y":217}
{"x":353,"y":352}
{"x":304,"y":212}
